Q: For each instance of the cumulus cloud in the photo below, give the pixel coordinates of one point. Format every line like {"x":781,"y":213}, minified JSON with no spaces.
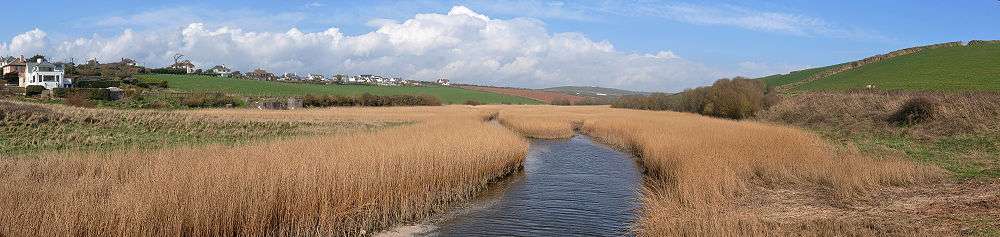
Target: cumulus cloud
{"x":462,"y":45}
{"x":28,"y":43}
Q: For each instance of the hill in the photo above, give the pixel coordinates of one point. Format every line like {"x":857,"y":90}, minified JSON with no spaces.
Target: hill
{"x":540,"y":95}
{"x":451,"y":95}
{"x":592,"y":91}
{"x":941,"y":67}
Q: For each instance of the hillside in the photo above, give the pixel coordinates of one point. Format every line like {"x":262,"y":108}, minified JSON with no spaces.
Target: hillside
{"x":451,"y":95}
{"x":540,"y":95}
{"x":592,"y":91}
{"x":791,"y":77}
{"x":940,"y":67}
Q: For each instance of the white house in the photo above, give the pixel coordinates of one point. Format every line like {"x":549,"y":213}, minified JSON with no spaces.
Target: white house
{"x":221,"y":70}
{"x":443,"y":82}
{"x":45,"y":74}
{"x":188,"y":67}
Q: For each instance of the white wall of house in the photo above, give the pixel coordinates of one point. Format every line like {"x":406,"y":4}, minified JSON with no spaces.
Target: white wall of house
{"x":45,"y":74}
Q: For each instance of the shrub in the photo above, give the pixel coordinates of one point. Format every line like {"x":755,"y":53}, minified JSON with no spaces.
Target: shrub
{"x":736,"y":98}
{"x":97,"y":83}
{"x":367,"y":99}
{"x":561,"y":101}
{"x":33,"y":90}
{"x":472,"y":102}
{"x":79,"y":99}
{"x":914,"y":111}
{"x":205,"y":100}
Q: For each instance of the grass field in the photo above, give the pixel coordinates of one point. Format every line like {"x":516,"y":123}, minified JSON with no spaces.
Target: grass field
{"x":451,"y":95}
{"x":942,"y":69}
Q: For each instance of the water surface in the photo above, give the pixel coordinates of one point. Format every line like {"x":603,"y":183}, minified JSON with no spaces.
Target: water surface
{"x":571,"y":187}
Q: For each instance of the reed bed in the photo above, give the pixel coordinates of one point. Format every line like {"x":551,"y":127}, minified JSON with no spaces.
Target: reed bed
{"x":345,"y":185}
{"x":715,"y":177}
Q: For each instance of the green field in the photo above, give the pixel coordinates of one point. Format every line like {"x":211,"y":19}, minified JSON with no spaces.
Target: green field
{"x":942,"y":69}
{"x":451,"y":95}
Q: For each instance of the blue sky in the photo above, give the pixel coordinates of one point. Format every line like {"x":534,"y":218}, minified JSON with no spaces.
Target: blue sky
{"x":640,"y":45}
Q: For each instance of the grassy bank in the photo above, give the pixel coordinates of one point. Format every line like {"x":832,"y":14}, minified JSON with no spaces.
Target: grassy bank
{"x":717,"y":177}
{"x":451,"y":95}
{"x":319,"y":185}
{"x":31,"y":128}
{"x":961,"y":133}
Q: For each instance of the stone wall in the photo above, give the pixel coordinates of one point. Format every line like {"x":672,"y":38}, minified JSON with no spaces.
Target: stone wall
{"x":983,"y":42}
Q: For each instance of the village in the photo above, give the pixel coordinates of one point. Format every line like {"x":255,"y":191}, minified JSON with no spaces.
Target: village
{"x":38,"y":71}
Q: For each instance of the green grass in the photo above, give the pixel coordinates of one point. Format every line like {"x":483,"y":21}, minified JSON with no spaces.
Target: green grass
{"x":965,"y":156}
{"x":451,"y":95}
{"x":792,"y":77}
{"x":941,"y":69}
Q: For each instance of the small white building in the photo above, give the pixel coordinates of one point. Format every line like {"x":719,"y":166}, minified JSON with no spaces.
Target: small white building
{"x":188,"y":67}
{"x":443,"y":82}
{"x":221,"y":70}
{"x":45,"y":74}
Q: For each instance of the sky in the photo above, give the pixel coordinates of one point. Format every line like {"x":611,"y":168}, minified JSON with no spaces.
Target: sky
{"x":635,"y":45}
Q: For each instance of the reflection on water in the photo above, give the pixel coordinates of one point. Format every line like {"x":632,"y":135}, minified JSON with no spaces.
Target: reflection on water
{"x":569,"y":187}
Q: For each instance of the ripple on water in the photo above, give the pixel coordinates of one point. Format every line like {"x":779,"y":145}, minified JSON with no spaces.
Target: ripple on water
{"x":571,"y":187}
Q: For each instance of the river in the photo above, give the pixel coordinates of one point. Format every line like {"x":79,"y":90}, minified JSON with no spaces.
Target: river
{"x":569,"y":187}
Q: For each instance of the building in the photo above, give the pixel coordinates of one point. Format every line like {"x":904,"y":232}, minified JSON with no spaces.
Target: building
{"x":188,"y":67}
{"x":12,"y":65}
{"x":221,"y":70}
{"x":261,"y":75}
{"x":443,"y":82}
{"x":316,"y":77}
{"x":45,"y":74}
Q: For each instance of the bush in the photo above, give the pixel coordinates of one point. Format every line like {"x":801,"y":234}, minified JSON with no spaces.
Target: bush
{"x":168,"y":71}
{"x":91,"y":93}
{"x":206,"y":100}
{"x":472,"y":102}
{"x":97,"y":83}
{"x":736,"y":98}
{"x":914,"y":111}
{"x":79,"y":99}
{"x":561,"y":101}
{"x":33,"y":90}
{"x":367,"y":99}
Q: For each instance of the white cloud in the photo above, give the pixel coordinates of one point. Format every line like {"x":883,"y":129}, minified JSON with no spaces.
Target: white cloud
{"x":28,"y":43}
{"x":758,"y":69}
{"x":462,"y":45}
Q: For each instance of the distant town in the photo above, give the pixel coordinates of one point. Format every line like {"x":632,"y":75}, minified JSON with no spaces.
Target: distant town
{"x":37,"y":70}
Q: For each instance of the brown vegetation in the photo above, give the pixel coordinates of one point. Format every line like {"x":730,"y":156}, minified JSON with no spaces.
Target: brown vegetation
{"x":544,"y":96}
{"x":736,"y":98}
{"x":323,"y":185}
{"x":873,"y":111}
{"x":712,"y":177}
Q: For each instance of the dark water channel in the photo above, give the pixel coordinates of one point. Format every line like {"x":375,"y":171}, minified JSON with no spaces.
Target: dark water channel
{"x":571,"y":187}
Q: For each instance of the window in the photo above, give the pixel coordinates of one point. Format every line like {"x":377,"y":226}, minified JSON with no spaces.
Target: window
{"x":49,"y":78}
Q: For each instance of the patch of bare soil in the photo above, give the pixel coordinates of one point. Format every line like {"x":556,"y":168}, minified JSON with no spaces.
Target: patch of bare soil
{"x":955,"y":208}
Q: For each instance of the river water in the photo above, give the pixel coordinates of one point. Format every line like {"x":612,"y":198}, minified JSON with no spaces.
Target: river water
{"x":571,"y":187}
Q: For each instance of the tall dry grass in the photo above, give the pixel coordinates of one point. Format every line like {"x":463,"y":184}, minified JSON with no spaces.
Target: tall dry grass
{"x":324,"y":185}
{"x":714,"y":177}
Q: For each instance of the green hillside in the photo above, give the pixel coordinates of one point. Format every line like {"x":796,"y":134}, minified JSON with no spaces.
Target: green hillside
{"x":592,"y":91}
{"x":940,"y":69}
{"x":792,"y":77}
{"x":452,"y":95}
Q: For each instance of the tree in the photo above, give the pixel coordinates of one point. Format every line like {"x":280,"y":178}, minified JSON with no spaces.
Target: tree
{"x":36,"y":57}
{"x":10,"y":78}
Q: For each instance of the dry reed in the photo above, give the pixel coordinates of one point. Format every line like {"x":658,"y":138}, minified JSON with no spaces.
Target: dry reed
{"x":323,"y":185}
{"x":707,"y":176}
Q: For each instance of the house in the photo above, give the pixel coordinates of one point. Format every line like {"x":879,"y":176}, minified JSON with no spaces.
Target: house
{"x":260,"y":74}
{"x":290,"y":77}
{"x":45,"y":74}
{"x":316,"y":77}
{"x":188,"y":67}
{"x":443,"y":82}
{"x":221,"y":70}
{"x":127,"y":62}
{"x":13,"y":65}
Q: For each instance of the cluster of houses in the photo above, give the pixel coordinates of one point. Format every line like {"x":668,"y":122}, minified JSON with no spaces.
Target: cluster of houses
{"x":35,"y":72}
{"x":38,"y":71}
